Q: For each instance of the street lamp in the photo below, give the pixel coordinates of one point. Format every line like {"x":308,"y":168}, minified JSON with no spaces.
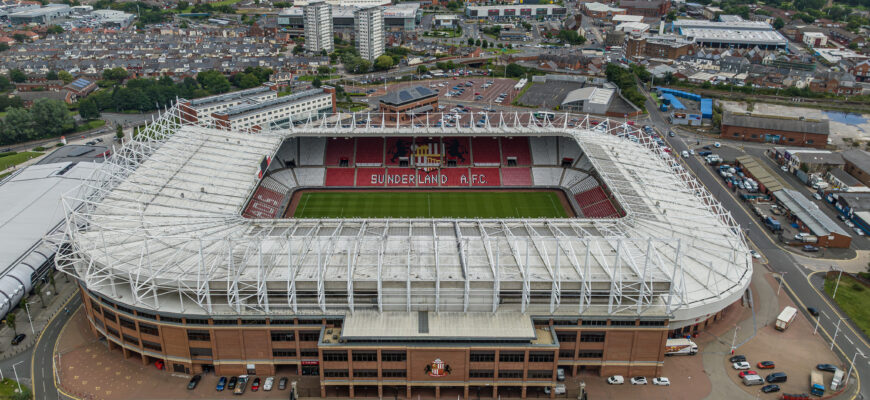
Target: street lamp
{"x":734,"y":339}
{"x":781,"y":278}
{"x":27,"y":308}
{"x":851,"y":365}
{"x":836,"y":331}
{"x":15,"y":371}
{"x":837,"y":286}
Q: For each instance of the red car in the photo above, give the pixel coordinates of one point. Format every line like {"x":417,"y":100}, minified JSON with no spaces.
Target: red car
{"x":766,"y":365}
{"x":742,"y":373}
{"x":256,"y":385}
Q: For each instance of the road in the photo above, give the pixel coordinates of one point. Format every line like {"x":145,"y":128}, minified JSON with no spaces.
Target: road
{"x":43,"y":352}
{"x":848,"y":340}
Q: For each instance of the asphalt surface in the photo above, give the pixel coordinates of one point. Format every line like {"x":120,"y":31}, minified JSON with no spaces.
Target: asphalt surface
{"x":848,"y":341}
{"x":43,"y":352}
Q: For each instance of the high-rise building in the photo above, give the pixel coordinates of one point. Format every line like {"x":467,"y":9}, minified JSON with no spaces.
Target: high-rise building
{"x":369,"y":30}
{"x":318,"y":27}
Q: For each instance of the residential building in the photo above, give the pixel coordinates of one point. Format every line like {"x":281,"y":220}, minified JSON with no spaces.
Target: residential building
{"x":517,"y":10}
{"x":861,"y":71}
{"x":318,"y":27}
{"x":775,"y":129}
{"x":815,"y":39}
{"x":369,"y":32}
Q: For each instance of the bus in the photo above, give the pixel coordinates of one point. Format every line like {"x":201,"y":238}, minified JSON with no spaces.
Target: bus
{"x":785,"y":318}
{"x":545,"y":115}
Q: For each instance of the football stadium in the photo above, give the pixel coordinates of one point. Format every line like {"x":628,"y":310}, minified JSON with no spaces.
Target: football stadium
{"x":413,"y":258}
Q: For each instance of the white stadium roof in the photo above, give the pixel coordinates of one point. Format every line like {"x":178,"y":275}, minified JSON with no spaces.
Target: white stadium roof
{"x":162,"y":230}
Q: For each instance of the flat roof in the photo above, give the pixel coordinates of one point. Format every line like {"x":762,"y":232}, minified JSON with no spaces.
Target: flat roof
{"x":246,"y":109}
{"x":809,"y":213}
{"x":777,"y":123}
{"x":407,"y":95}
{"x":220,"y":98}
{"x":761,"y":174}
{"x":433,"y":326}
{"x":76,"y":153}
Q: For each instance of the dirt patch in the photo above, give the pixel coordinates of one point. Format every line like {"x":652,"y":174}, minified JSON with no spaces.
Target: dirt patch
{"x":297,"y":195}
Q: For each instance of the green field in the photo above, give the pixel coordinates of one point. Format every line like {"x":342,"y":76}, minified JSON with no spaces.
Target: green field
{"x":853,"y":298}
{"x":454,"y":204}
{"x":18,"y":158}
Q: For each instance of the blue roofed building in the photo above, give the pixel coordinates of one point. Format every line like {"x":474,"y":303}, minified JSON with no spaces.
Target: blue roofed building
{"x":81,"y":87}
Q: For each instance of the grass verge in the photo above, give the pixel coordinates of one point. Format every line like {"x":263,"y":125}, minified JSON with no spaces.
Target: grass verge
{"x":8,"y":388}
{"x":18,"y":158}
{"x":853,"y":298}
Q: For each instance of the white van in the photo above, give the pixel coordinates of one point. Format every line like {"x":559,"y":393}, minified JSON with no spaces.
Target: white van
{"x":837,"y":380}
{"x":616,"y":380}
{"x":751,"y":380}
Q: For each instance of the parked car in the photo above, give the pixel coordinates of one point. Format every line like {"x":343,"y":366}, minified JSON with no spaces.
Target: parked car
{"x":241,"y":385}
{"x":776,"y":377}
{"x":638,"y":380}
{"x":560,"y":374}
{"x":826,"y":367}
{"x":18,"y":339}
{"x":282,"y":383}
{"x":232,"y":383}
{"x":737,"y":358}
{"x":662,"y":381}
{"x":616,"y":380}
{"x":769,"y":388}
{"x":754,"y":254}
{"x":766,"y":365}
{"x":222,"y":383}
{"x":717,"y":145}
{"x":740,"y":365}
{"x":810,"y":248}
{"x":267,"y":385}
{"x":560,"y":389}
{"x":813,"y":311}
{"x":747,"y":372}
{"x":193,"y":382}
{"x":255,"y":385}
{"x":817,"y":196}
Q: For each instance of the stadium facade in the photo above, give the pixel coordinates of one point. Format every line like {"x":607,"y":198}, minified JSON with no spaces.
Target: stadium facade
{"x":183,"y":259}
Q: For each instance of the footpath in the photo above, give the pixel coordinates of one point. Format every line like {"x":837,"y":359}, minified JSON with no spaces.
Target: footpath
{"x":40,"y":314}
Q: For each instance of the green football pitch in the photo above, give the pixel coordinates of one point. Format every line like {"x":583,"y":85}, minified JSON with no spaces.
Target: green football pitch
{"x":453,"y":204}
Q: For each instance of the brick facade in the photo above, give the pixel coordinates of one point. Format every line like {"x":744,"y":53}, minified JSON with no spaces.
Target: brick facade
{"x":748,"y":134}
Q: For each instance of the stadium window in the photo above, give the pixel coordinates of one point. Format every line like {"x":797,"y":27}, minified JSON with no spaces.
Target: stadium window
{"x":536,"y":356}
{"x":310,"y":322}
{"x":335,"y":373}
{"x":394,"y":373}
{"x":510,"y":374}
{"x":282,"y":336}
{"x":126,"y":323}
{"x":393,"y":356}
{"x":110,"y":316}
{"x":336,"y":323}
{"x":482,"y":356}
{"x":125,"y":309}
{"x":570,"y":322}
{"x":365,"y":373}
{"x":508,"y":356}
{"x":540,"y":374}
{"x":148,"y":329}
{"x":226,"y":321}
{"x":809,"y":141}
{"x":593,"y":322}
{"x":99,"y":323}
{"x":622,"y":323}
{"x":480,"y":373}
{"x":754,"y":136}
{"x":151,"y":345}
{"x":365,"y":356}
{"x":334,"y":356}
{"x":146,"y":315}
{"x":113,"y":331}
{"x":284,"y":353}
{"x":200,"y":352}
{"x":131,"y":339}
{"x":652,"y":323}
{"x":567,"y":337}
{"x":281,"y":322}
{"x":309,"y":336}
{"x":194,"y":321}
{"x":566,"y":354}
{"x":736,"y":135}
{"x":591,"y":354}
{"x":253,"y":322}
{"x":96,"y":307}
{"x":170,"y":319}
{"x":179,"y":368}
{"x":308,"y":352}
{"x":592,"y":337}
{"x":198,"y":335}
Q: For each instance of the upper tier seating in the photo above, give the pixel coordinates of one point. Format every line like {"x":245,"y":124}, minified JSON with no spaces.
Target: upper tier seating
{"x":310,"y":176}
{"x":544,"y":150}
{"x":516,"y":149}
{"x":485,"y":151}
{"x":370,"y":152}
{"x":311,"y":151}
{"x":547,"y":176}
{"x":339,"y":151}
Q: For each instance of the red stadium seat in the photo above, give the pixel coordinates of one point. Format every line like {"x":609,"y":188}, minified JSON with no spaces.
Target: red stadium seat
{"x":401,"y":177}
{"x":370,"y":176}
{"x":454,"y":177}
{"x":428,"y":178}
{"x":516,"y":149}
{"x":338,"y":150}
{"x":457,"y":151}
{"x":484,"y":177}
{"x":264,"y":204}
{"x":398,"y":149}
{"x":369,"y":152}
{"x":339,"y":176}
{"x":516,"y":176}
{"x":590,"y":196}
{"x":485,"y":151}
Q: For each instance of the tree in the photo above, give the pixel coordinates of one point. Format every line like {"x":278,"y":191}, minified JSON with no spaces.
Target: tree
{"x":182,"y":5}
{"x":115,"y":74}
{"x":213,"y":81}
{"x":323,"y":70}
{"x":184,"y":25}
{"x":17,"y":76}
{"x":485,"y":44}
{"x":422,"y":70}
{"x":471,"y":41}
{"x":51,"y":75}
{"x":383,"y":62}
{"x":119,"y":133}
{"x":316,"y":82}
{"x":571,"y":36}
{"x":19,"y":37}
{"x":88,"y":109}
{"x":477,"y":42}
{"x":19,"y":126}
{"x":54,"y":30}
{"x":4,"y":83}
{"x":778,"y":23}
{"x":672,"y":15}
{"x":514,"y":70}
{"x":298,"y":49}
{"x":249,"y":81}
{"x":10,"y":322}
{"x":4,"y":47}
{"x":50,"y":116}
{"x":66,"y":77}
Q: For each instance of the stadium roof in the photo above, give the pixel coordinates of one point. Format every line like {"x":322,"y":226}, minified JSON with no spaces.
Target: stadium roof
{"x":164,"y":222}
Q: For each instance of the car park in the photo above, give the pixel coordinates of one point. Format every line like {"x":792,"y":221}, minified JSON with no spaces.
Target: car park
{"x":826,"y":367}
{"x":661,"y":381}
{"x":222,"y":383}
{"x":741,"y":365}
{"x":193,"y":382}
{"x":766,"y":365}
{"x":814,"y":312}
{"x":18,"y":339}
{"x":737,"y":358}
{"x":776,"y":377}
{"x":770,"y":388}
{"x":616,"y":380}
{"x":638,"y":380}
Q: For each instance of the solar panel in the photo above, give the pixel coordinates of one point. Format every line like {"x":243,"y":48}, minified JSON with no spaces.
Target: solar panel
{"x":405,"y":96}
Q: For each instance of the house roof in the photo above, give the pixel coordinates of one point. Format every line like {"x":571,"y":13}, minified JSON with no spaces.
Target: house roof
{"x":859,"y":158}
{"x":821,"y":127}
{"x":407,"y":95}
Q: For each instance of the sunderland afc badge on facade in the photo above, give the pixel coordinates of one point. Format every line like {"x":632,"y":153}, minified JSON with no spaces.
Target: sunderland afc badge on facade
{"x":437,"y":368}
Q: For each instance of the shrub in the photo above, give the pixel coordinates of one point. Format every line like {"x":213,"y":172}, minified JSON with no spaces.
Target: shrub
{"x":39,"y":148}
{"x":858,"y":287}
{"x":8,"y":153}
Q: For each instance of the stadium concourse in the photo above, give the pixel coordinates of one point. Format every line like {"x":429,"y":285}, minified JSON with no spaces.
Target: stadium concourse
{"x":183,"y":259}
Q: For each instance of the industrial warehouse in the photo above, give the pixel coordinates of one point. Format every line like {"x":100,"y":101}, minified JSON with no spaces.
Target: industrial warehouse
{"x":186,"y":256}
